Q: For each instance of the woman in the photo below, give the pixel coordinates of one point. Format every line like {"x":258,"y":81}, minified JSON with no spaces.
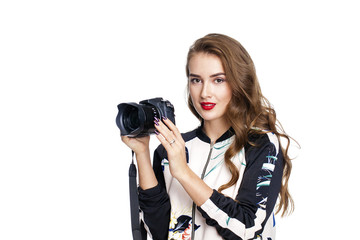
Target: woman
{"x":232,"y":167}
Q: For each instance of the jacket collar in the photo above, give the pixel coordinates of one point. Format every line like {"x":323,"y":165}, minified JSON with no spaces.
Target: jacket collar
{"x":203,"y":137}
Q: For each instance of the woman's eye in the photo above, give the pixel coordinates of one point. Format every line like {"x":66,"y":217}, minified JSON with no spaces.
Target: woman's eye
{"x":195,"y":80}
{"x":219,"y":80}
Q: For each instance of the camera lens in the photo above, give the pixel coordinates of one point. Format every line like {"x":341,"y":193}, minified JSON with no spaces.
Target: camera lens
{"x":131,"y":118}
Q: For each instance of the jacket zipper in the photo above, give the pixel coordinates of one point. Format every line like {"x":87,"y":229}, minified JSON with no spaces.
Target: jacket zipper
{"x":194,"y":205}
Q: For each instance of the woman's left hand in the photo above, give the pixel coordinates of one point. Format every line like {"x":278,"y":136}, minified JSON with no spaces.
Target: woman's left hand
{"x":170,"y":137}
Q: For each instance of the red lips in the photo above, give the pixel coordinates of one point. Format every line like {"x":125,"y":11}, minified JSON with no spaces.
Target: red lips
{"x":207,"y":105}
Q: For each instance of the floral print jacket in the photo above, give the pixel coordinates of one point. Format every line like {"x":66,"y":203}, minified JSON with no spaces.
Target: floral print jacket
{"x":243,"y":211}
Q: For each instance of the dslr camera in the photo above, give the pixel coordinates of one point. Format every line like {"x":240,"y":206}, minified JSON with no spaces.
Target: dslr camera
{"x":137,"y":120}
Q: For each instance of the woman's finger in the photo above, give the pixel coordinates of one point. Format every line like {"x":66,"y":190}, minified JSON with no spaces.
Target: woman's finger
{"x":166,"y":133}
{"x":172,"y":127}
{"x":165,"y":142}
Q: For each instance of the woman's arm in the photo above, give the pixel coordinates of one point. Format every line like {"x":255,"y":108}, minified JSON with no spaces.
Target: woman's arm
{"x":140,"y":146}
{"x":197,"y":189}
{"x":246,"y":216}
{"x":147,"y":177}
{"x":153,"y":199}
{"x":155,"y":203}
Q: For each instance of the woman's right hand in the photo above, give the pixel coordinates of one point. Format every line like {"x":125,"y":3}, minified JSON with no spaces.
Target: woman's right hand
{"x":138,"y":145}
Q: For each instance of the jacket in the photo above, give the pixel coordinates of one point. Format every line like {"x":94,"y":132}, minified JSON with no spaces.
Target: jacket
{"x":243,"y":211}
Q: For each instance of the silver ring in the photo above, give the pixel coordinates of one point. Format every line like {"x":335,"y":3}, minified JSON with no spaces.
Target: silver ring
{"x":172,"y":141}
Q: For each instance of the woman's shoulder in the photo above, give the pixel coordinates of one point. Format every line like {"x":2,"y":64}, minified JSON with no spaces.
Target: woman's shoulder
{"x":260,"y":139}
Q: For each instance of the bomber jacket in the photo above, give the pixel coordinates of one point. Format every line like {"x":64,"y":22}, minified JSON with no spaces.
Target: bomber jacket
{"x":243,"y":211}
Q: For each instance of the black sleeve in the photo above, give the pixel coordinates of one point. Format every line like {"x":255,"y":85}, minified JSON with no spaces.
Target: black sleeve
{"x":245,"y":216}
{"x":155,"y":203}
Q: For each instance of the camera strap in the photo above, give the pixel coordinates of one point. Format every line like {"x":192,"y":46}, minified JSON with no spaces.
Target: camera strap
{"x":138,"y":230}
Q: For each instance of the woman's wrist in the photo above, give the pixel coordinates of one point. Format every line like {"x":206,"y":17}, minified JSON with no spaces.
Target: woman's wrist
{"x":197,"y":189}
{"x":183,"y":174}
{"x":143,"y":155}
{"x":147,"y":177}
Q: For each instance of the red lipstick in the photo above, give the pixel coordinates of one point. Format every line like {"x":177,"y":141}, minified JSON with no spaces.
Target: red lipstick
{"x":207,"y":105}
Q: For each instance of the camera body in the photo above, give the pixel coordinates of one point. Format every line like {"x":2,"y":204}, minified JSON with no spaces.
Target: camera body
{"x":137,"y":120}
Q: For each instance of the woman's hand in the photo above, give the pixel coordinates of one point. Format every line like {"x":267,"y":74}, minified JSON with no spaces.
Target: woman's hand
{"x":138,"y":145}
{"x":170,"y":137}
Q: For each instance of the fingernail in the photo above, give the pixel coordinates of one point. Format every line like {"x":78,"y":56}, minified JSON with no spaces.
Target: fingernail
{"x":164,"y":118}
{"x":156,"y":123}
{"x":156,"y":119}
{"x":156,"y":132}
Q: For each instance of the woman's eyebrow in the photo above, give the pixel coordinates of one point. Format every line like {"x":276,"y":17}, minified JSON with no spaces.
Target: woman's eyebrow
{"x":213,"y":75}
{"x":193,"y":75}
{"x":217,"y":74}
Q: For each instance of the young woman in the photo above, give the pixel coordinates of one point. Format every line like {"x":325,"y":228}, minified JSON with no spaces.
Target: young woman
{"x":221,"y":180}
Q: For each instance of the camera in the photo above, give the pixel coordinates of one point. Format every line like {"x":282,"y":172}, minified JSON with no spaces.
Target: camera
{"x":137,"y":120}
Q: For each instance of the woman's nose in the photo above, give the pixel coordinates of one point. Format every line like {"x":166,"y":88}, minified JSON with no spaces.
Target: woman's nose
{"x":206,"y":90}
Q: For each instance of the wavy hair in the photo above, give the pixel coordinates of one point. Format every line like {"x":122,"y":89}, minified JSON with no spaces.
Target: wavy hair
{"x":248,"y":111}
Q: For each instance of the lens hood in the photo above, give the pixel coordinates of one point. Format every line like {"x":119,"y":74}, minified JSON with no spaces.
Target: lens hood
{"x":123,"y":121}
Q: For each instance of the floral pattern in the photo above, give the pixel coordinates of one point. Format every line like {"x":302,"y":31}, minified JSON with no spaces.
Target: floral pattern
{"x":180,"y":228}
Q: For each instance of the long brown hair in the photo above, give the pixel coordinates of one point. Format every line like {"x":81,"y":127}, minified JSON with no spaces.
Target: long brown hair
{"x":249,"y":111}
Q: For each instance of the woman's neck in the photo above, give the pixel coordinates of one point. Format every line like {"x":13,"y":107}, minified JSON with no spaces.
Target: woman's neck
{"x":215,"y":129}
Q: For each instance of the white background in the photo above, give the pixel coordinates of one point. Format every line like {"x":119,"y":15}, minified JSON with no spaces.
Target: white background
{"x":65,"y":65}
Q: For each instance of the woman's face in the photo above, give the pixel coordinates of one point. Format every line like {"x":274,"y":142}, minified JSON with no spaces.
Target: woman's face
{"x":209,"y":91}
